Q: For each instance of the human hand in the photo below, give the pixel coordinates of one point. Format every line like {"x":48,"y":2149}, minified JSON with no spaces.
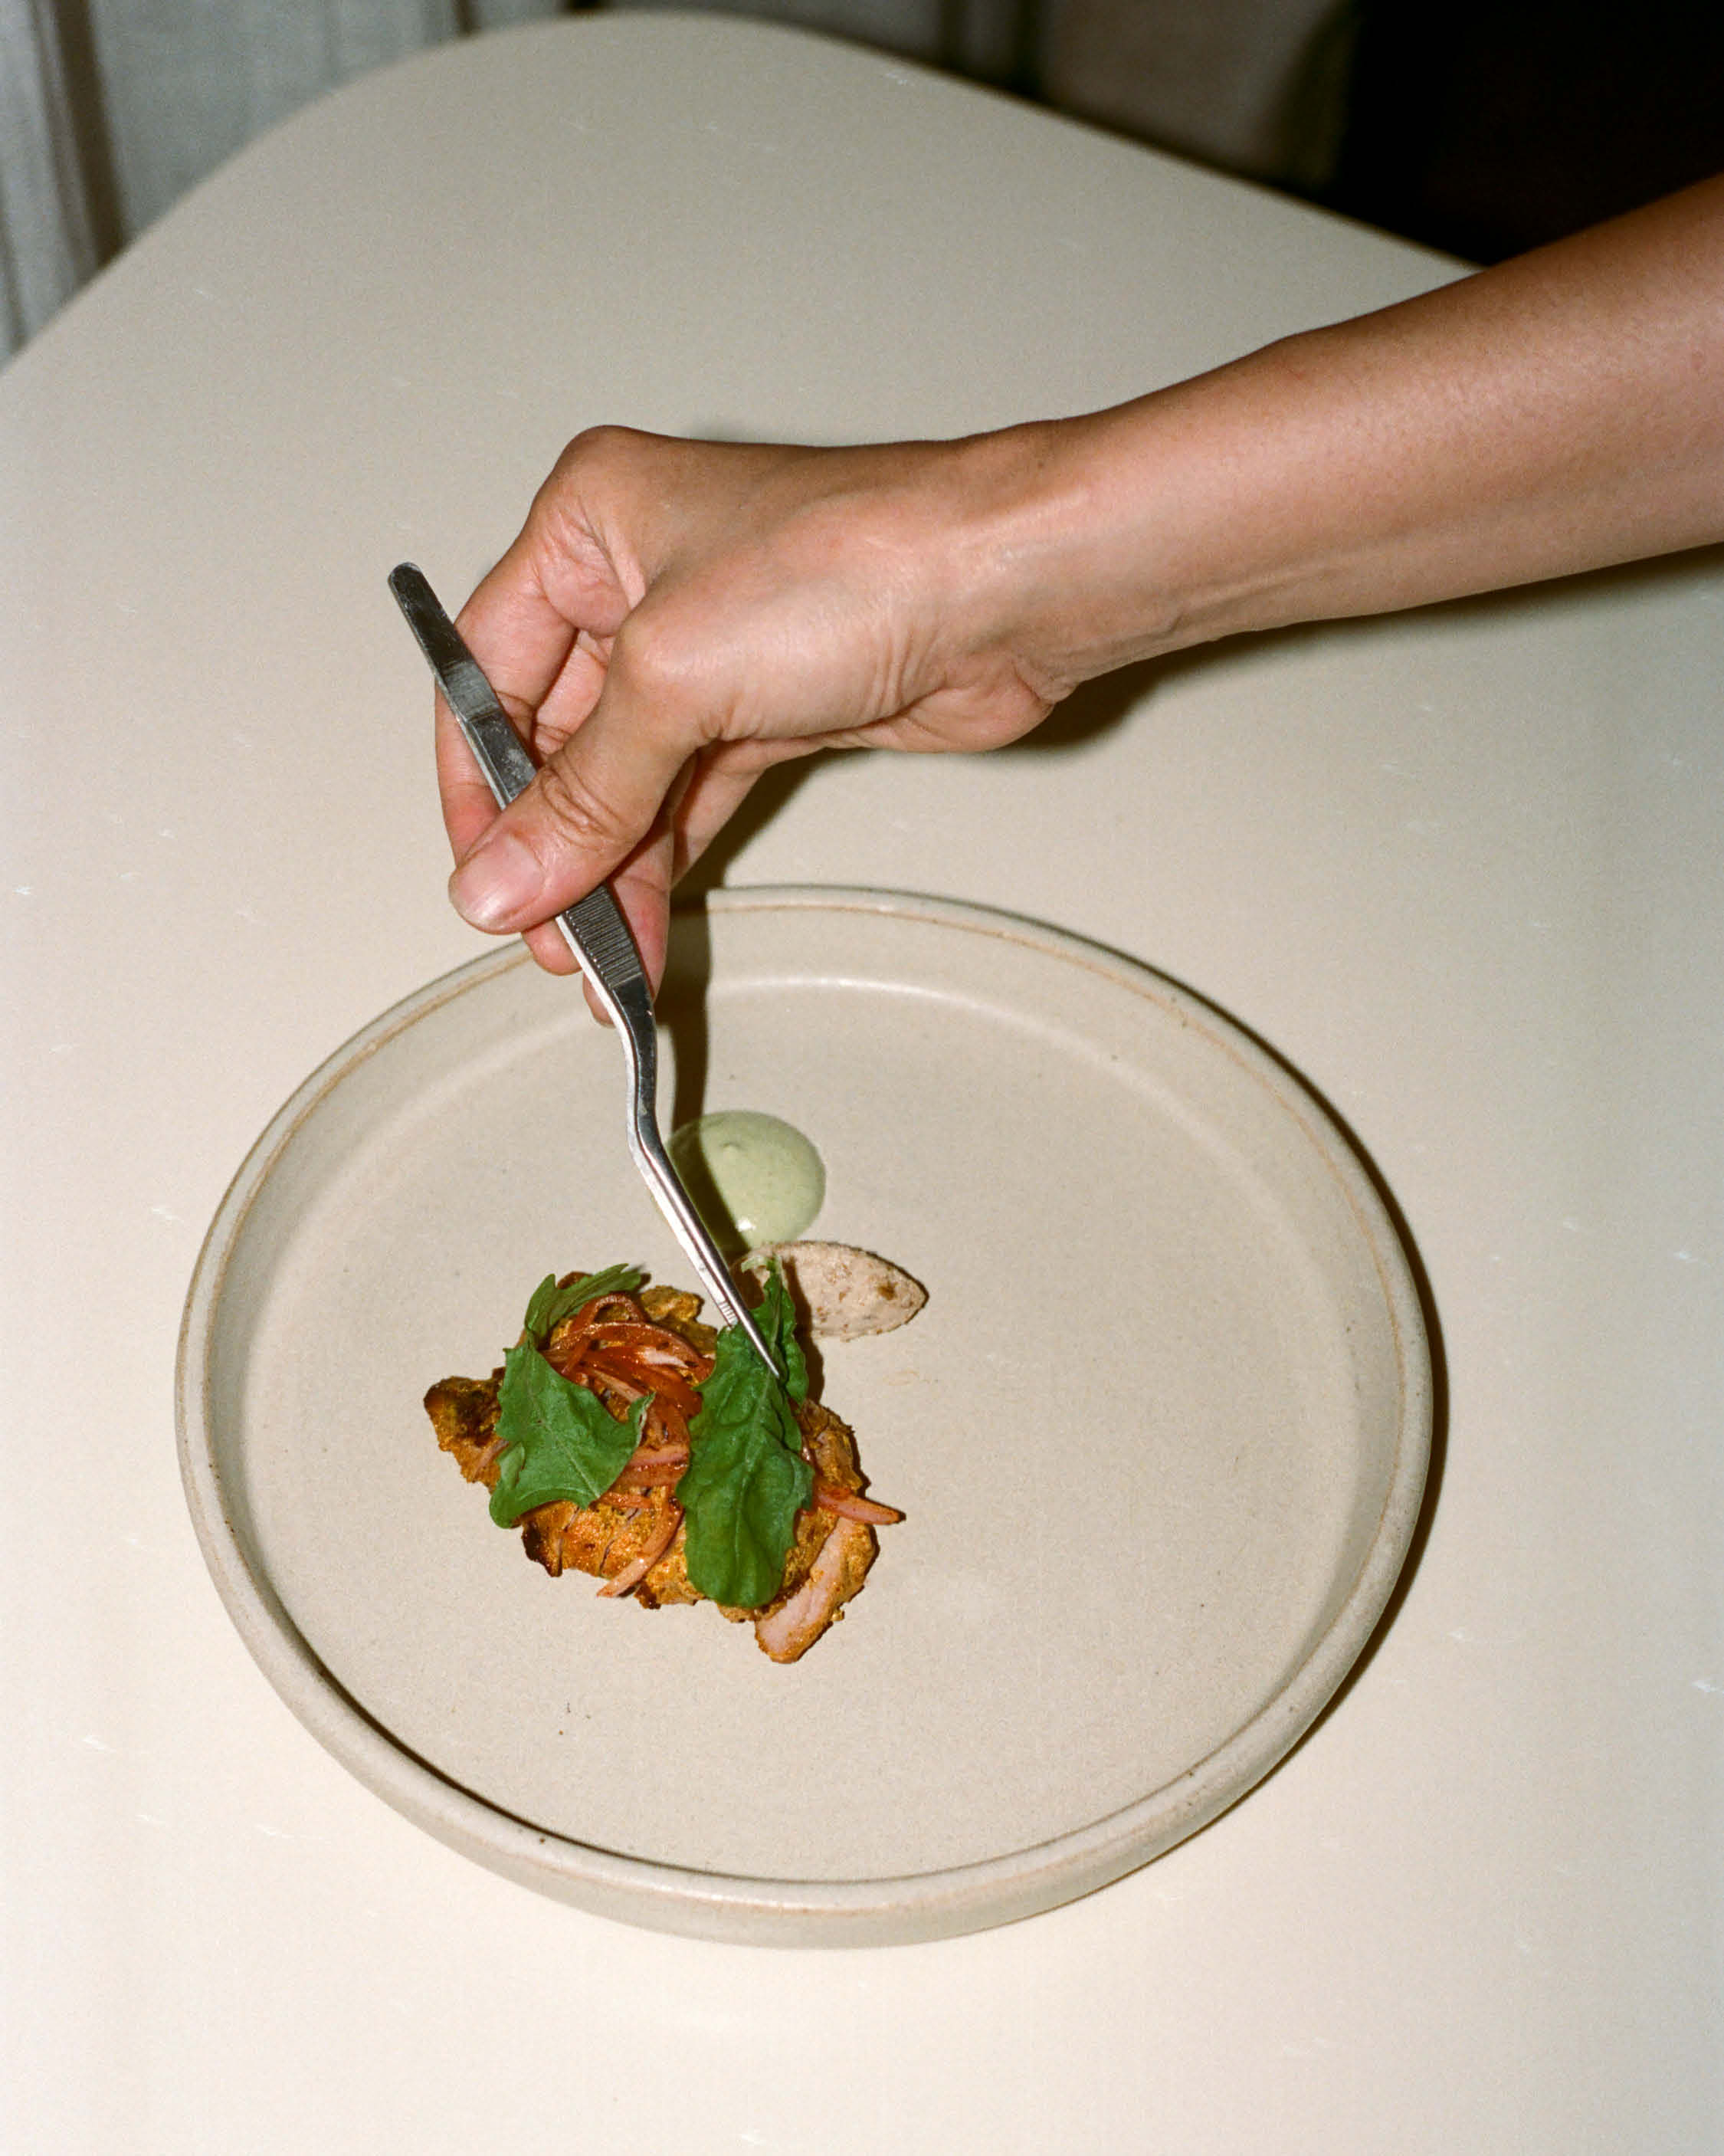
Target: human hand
{"x":676,"y":617}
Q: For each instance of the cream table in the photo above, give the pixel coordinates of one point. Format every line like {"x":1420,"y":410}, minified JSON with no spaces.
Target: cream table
{"x":1462,"y":869}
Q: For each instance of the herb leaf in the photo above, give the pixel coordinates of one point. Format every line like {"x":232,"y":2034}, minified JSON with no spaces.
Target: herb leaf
{"x":551,"y":1304}
{"x":776,"y":1321}
{"x":560,"y":1441}
{"x":536,"y":1324}
{"x":746,"y":1479}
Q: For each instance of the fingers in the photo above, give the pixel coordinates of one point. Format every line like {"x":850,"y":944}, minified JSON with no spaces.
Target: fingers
{"x":522,"y":643}
{"x":706,"y":794}
{"x":537,"y":624}
{"x":518,"y":634}
{"x":592,"y":803}
{"x":718,"y":786}
{"x":699,"y":804}
{"x":641,"y":887}
{"x":561,"y":573}
{"x":468,"y":804}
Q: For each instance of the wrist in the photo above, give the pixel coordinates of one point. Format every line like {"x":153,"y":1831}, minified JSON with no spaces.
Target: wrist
{"x":1090,"y":542}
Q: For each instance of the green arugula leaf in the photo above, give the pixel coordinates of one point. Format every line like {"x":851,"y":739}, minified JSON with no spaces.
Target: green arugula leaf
{"x":776,"y":1319}
{"x":551,"y":1304}
{"x":560,"y":1441}
{"x":537,"y":1323}
{"x":746,"y":1479}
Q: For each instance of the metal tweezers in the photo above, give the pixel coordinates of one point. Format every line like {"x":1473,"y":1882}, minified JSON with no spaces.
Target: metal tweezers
{"x":594,"y":930}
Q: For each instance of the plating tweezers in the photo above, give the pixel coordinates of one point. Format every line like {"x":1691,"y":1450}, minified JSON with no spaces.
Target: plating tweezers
{"x":594,"y":930}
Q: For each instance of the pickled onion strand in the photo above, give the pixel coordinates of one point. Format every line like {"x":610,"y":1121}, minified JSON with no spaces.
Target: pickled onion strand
{"x":852,"y":1505}
{"x":635,"y":1572}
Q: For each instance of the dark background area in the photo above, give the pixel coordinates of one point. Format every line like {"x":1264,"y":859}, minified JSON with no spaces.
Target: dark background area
{"x":1487,"y":129}
{"x":1482,"y":127}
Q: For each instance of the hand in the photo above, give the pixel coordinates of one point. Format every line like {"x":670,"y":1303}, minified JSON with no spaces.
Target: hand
{"x":675,"y":617}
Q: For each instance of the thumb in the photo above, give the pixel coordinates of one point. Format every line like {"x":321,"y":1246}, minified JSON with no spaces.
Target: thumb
{"x":586,"y":811}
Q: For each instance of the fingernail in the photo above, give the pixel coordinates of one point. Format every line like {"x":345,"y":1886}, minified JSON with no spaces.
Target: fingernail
{"x":495,"y":887}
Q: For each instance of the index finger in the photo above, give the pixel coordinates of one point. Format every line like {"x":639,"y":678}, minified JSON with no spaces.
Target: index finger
{"x":522,"y":640}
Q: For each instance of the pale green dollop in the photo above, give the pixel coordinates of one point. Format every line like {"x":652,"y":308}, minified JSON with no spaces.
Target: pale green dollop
{"x":753,"y":1178}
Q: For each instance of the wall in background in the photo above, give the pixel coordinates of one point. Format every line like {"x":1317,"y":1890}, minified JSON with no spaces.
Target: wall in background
{"x":1480,"y":126}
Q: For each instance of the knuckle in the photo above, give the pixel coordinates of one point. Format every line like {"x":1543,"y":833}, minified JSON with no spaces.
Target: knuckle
{"x":667,"y":673}
{"x":577,"y":814}
{"x":648,"y":654}
{"x":605,"y":444}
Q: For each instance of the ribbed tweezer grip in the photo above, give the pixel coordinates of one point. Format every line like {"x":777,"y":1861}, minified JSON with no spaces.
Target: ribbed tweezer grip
{"x":602,"y":938}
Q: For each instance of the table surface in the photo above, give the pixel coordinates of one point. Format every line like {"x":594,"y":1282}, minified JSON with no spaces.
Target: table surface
{"x":1461,"y":868}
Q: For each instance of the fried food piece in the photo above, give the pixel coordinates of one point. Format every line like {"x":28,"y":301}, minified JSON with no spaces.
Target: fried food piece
{"x":830,"y":1558}
{"x":632,"y":1537}
{"x":605,"y":1539}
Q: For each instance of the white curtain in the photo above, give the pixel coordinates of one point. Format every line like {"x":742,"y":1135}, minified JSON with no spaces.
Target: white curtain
{"x":111,"y":109}
{"x":48,"y":245}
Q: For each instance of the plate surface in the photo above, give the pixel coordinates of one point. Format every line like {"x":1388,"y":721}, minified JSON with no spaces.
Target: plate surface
{"x":1161,"y":1433}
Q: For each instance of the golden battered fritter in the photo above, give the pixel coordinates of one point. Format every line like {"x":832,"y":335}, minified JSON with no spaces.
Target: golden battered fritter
{"x":632,"y":1537}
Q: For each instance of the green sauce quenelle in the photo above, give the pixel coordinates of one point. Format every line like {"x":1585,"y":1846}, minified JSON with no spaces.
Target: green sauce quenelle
{"x":754,"y":1178}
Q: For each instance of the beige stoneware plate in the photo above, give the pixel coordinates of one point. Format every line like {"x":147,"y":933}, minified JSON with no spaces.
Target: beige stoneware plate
{"x":1161,"y":1433}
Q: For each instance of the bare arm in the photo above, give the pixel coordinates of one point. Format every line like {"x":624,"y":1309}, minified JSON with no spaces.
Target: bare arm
{"x":1559,"y":412}
{"x":675,"y":617}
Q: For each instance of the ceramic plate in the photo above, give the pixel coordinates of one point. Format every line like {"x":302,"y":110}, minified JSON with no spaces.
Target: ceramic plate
{"x":1160,"y":1433}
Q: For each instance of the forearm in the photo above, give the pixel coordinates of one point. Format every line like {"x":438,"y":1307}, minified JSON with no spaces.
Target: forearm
{"x":1557,"y":414}
{"x":676,"y":617}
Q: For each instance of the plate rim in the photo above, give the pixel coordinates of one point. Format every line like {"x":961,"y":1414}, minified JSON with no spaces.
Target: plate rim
{"x":788,"y":1911}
